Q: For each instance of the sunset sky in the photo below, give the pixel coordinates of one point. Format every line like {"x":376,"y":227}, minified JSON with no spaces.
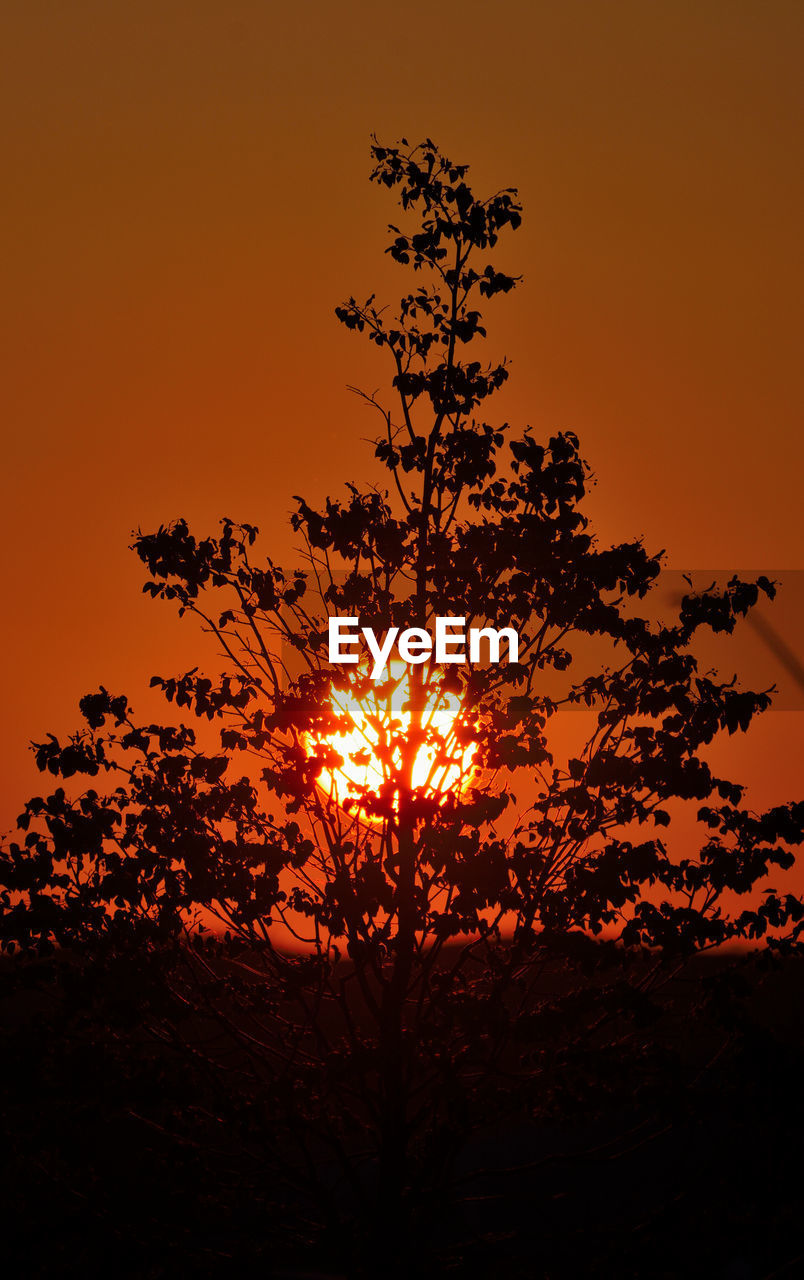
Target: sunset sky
{"x":186,"y":201}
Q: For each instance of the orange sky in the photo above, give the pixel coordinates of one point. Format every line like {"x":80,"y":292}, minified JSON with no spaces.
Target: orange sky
{"x":185,"y":201}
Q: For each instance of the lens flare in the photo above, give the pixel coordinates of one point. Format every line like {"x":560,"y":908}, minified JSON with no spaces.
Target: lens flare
{"x":371,"y":744}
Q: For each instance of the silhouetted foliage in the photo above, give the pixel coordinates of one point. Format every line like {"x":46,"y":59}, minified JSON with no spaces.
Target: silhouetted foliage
{"x":434,"y":987}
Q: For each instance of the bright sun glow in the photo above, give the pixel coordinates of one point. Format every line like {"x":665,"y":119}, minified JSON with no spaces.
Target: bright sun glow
{"x":378,"y":723}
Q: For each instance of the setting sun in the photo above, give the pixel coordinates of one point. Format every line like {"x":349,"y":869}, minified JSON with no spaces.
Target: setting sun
{"x":371,"y":743}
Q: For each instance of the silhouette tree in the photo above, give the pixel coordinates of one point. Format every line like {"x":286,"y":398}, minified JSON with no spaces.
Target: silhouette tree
{"x":373,"y":887}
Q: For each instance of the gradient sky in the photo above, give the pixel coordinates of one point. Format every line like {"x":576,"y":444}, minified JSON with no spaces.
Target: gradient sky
{"x":186,"y":200}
